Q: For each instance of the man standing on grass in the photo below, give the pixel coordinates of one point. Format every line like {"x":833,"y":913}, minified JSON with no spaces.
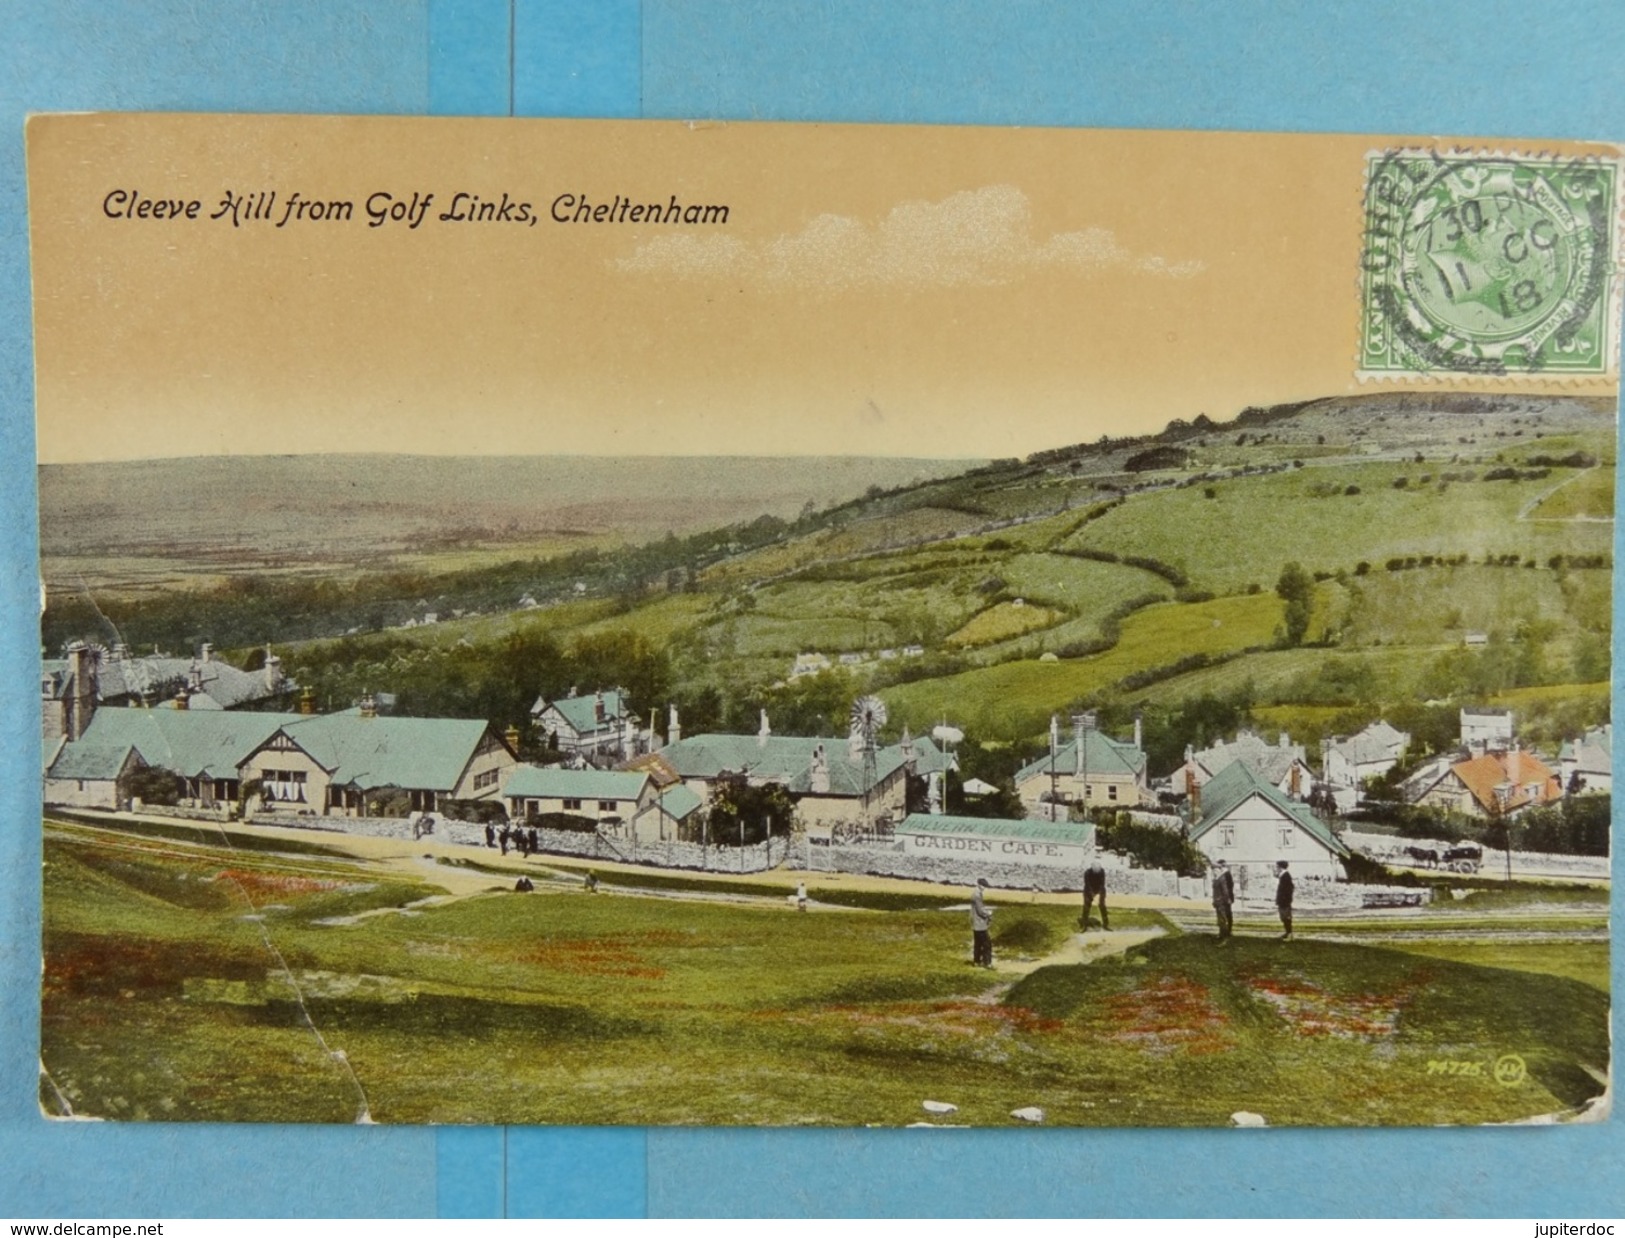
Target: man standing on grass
{"x":1224,"y":896}
{"x":1283,"y":898}
{"x":1094,"y":886}
{"x":981,"y":927}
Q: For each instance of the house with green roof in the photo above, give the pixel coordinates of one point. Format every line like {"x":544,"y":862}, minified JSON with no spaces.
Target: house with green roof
{"x":831,"y":781}
{"x":596,"y":727}
{"x":331,"y":764}
{"x":204,"y":748}
{"x":1250,"y":823}
{"x":1047,"y":844}
{"x":1091,"y":769}
{"x":613,"y":798}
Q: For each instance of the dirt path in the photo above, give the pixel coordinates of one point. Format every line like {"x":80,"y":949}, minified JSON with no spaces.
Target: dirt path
{"x":1078,"y":948}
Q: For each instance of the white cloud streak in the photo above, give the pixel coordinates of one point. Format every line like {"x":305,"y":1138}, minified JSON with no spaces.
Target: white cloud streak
{"x":974,"y":238}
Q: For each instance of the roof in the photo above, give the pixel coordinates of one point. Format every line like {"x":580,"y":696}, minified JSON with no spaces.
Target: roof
{"x":1076,"y":834}
{"x":1103,"y":755}
{"x":422,"y":753}
{"x":159,"y":677}
{"x":1272,"y":761}
{"x":786,"y":759}
{"x":581,"y":712}
{"x":555,"y":782}
{"x":1237,"y":783}
{"x":90,"y":761}
{"x":679,"y":801}
{"x":209,"y":743}
{"x":1516,"y":770}
{"x":1378,"y":742}
{"x":1592,"y":753}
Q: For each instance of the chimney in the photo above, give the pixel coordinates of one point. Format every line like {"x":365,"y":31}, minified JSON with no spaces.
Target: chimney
{"x":1139,"y":737}
{"x":194,"y":676}
{"x":598,"y":707}
{"x":512,"y":736}
{"x":907,"y":745}
{"x":369,"y":705}
{"x":1285,"y":741}
{"x":121,"y":651}
{"x":1054,"y":735}
{"x":181,"y":697}
{"x":818,"y":782}
{"x":674,"y":729}
{"x":208,"y":652}
{"x":763,"y":731}
{"x":1193,"y":792}
{"x":273,"y":671}
{"x":82,"y":690}
{"x":1295,"y":784}
{"x":1077,"y":744}
{"x":307,"y":702}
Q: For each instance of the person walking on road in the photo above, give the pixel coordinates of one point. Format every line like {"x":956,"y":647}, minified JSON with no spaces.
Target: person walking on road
{"x":981,"y":927}
{"x":1283,"y":898}
{"x":1094,"y":886}
{"x":1224,"y":897}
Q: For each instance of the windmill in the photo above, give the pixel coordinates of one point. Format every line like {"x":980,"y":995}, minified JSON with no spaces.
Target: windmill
{"x":867,"y":717}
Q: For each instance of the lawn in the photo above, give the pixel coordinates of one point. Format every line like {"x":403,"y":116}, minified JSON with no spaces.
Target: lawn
{"x":191,"y":983}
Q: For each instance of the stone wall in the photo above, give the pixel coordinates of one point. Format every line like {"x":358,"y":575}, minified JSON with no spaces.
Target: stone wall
{"x":951,"y":870}
{"x":1390,"y":848}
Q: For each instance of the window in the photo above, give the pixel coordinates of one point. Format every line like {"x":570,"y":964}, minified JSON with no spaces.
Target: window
{"x":286,"y":786}
{"x":572,"y":805}
{"x":487,"y":779}
{"x":1227,"y":836}
{"x":606,"y":805}
{"x":1111,"y":791}
{"x":1286,"y":835}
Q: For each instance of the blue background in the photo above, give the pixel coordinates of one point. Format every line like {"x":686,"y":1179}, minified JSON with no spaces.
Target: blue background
{"x":1458,"y":67}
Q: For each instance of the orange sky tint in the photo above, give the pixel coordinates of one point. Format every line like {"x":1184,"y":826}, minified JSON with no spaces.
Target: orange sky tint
{"x":875,"y":290}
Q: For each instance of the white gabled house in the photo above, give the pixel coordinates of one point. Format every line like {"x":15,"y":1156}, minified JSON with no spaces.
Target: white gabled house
{"x":595,"y":727}
{"x":1247,"y":821}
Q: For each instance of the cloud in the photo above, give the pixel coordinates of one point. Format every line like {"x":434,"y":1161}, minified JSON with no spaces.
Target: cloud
{"x":973,"y":238}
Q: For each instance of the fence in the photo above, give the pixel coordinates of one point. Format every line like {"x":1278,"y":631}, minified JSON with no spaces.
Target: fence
{"x":1390,"y":848}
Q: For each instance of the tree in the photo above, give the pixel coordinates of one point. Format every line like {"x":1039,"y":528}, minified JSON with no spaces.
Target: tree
{"x":153,"y":784}
{"x":741,"y":814}
{"x":1296,"y":588}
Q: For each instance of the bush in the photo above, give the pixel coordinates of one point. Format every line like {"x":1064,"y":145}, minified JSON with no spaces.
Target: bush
{"x":1151,"y":846}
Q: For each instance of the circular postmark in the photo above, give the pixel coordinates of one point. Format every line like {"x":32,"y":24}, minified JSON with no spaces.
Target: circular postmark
{"x":1487,"y":265}
{"x":1510,"y":1070}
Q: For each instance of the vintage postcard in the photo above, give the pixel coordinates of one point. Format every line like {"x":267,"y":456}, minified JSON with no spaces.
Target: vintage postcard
{"x":634,"y":622}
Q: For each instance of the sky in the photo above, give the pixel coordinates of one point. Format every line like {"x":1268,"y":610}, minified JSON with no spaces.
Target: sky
{"x":875,"y":290}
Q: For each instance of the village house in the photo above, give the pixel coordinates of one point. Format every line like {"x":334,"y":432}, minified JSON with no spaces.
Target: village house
{"x":1586,"y":765}
{"x":830,"y":780}
{"x":612,"y":798}
{"x":88,"y":677}
{"x":204,"y":749}
{"x":596,"y":728}
{"x":1281,"y":764}
{"x":1347,"y":761}
{"x":1092,"y":769}
{"x":1493,"y":784}
{"x":330,"y":765}
{"x":1486,"y":730}
{"x":1241,"y":816}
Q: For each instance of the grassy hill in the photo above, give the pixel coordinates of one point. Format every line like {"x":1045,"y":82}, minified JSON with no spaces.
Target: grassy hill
{"x":1121,"y":574}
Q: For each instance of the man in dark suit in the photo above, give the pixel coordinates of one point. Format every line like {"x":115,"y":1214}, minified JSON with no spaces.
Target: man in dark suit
{"x":1283,"y":898}
{"x":1094,"y":886}
{"x":1224,"y":897}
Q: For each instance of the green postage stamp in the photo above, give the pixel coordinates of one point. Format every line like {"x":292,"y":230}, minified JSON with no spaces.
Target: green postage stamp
{"x":1488,"y":265}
